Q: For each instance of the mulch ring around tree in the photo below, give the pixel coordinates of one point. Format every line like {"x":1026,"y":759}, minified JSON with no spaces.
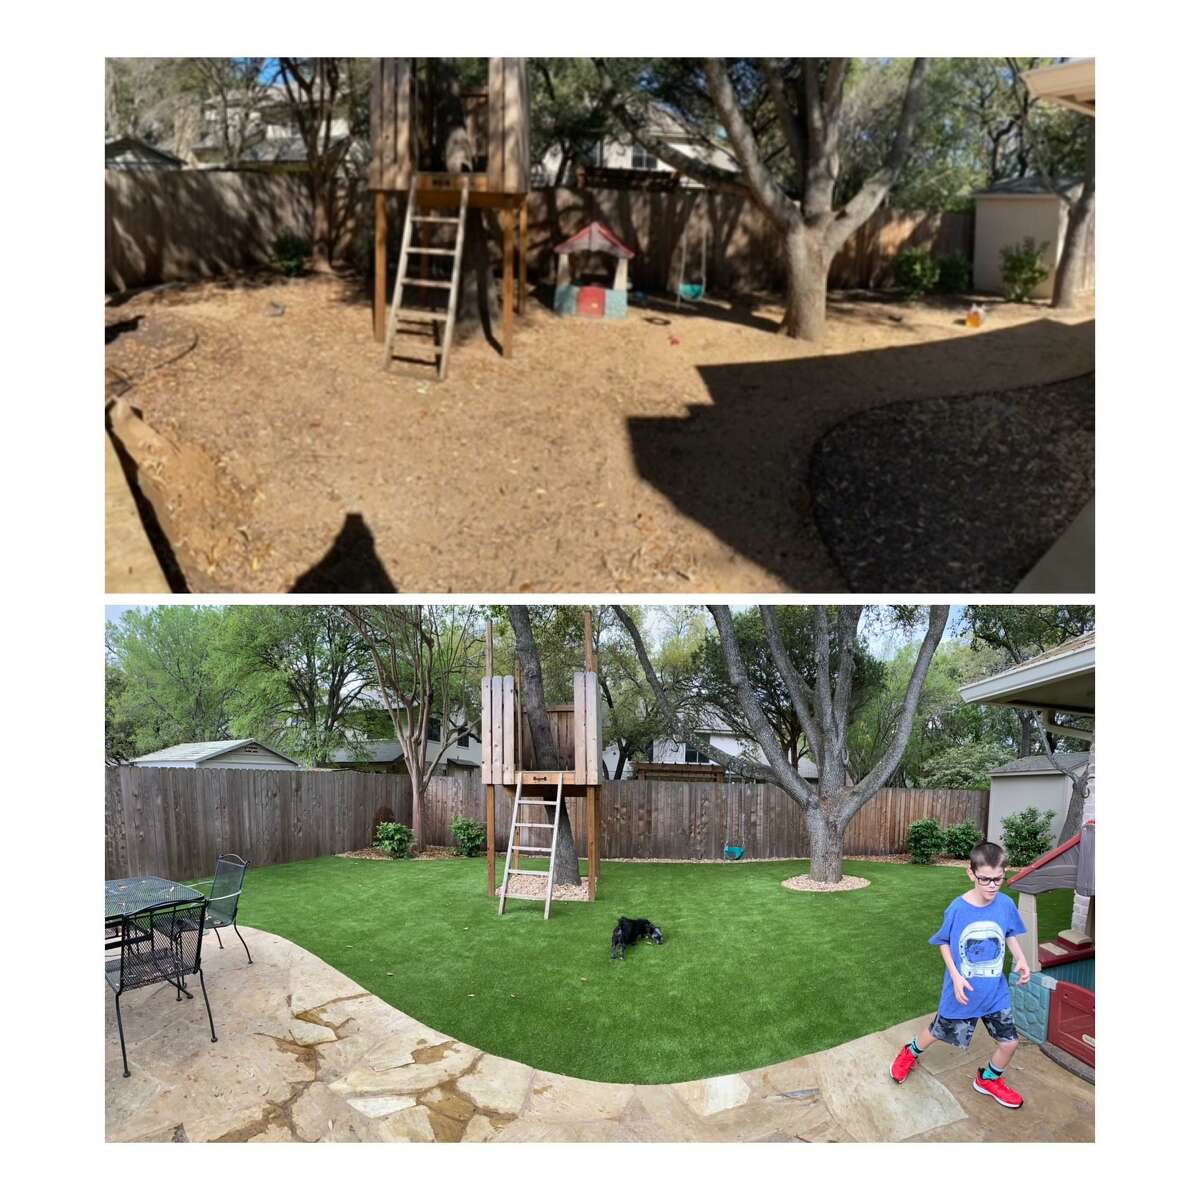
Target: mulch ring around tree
{"x":806,"y":883}
{"x":428,"y":852}
{"x":960,"y":493}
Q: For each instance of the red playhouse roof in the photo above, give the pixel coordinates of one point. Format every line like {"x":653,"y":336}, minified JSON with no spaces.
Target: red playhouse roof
{"x":1041,"y":876}
{"x":596,"y":236}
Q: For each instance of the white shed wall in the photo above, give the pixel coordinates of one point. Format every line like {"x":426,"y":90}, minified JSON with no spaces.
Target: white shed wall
{"x":1012,"y":793}
{"x":1006,"y":221}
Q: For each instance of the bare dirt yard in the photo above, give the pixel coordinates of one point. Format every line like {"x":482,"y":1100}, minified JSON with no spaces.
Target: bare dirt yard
{"x":673,"y":451}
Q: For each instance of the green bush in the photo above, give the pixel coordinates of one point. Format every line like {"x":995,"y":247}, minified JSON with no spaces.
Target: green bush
{"x":469,"y":835}
{"x":954,"y":274}
{"x":1023,"y":268}
{"x":393,"y":837}
{"x":1026,"y":835}
{"x":962,"y":839}
{"x":925,"y":840}
{"x":916,"y":272}
{"x":291,"y":253}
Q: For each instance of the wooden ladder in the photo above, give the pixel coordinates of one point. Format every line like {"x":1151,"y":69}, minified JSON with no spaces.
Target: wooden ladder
{"x":557,"y":802}
{"x":401,"y":314}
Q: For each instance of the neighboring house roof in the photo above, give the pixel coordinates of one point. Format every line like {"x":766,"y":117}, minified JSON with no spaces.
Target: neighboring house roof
{"x":389,"y":751}
{"x":199,"y":752}
{"x":595,"y":236}
{"x":1064,"y":678}
{"x":1031,"y":185}
{"x":1039,"y":764}
{"x":133,"y":150}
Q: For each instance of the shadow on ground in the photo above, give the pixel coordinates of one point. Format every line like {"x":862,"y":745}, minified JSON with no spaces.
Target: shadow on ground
{"x":351,"y":564}
{"x":742,"y":465}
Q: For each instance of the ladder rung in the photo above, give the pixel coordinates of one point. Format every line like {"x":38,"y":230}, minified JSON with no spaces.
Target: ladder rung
{"x":522,"y":871}
{"x":440,"y":283}
{"x":548,"y":801}
{"x":429,"y":250}
{"x":534,"y":849}
{"x":419,"y":314}
{"x":533,"y":825}
{"x":435,"y":221}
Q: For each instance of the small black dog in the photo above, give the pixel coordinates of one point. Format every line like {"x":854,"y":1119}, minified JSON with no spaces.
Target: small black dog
{"x":628,"y":930}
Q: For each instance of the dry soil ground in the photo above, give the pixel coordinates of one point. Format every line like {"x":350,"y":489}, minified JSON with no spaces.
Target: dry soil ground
{"x":671,"y":451}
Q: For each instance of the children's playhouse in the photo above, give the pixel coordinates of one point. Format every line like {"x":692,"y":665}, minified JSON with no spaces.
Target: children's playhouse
{"x":573,"y":300}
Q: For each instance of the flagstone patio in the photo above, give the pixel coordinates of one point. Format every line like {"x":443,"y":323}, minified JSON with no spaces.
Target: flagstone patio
{"x":306,"y":1055}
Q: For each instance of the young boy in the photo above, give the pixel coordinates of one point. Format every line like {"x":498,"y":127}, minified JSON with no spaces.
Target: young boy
{"x":974,"y":932}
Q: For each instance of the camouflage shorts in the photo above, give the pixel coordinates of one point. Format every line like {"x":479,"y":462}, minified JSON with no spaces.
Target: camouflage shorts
{"x":957,"y":1031}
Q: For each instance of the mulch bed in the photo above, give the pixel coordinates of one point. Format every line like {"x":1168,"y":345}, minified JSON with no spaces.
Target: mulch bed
{"x":428,"y":852}
{"x":962,"y":493}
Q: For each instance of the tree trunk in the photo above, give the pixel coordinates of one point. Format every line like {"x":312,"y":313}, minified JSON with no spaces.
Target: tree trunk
{"x":478,"y":299}
{"x":322,"y":231}
{"x":418,"y":823}
{"x":545,"y":753}
{"x":807,"y":284}
{"x":1068,"y":279}
{"x":825,"y":846}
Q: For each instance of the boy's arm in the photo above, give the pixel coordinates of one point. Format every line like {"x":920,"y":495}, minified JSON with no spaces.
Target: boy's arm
{"x":1018,"y":957}
{"x":961,"y":986}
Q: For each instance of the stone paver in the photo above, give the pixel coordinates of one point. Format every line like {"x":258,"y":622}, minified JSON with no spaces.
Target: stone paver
{"x":306,"y":1055}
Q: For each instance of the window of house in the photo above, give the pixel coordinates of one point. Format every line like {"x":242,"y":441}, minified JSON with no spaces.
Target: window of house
{"x":643,"y":160}
{"x":435,"y":729}
{"x":465,"y":741}
{"x":593,"y":155}
{"x":693,"y":755}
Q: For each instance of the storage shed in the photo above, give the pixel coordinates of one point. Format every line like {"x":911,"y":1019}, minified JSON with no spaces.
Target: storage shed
{"x":1015,"y":209}
{"x":244,"y":753}
{"x":1031,"y":781}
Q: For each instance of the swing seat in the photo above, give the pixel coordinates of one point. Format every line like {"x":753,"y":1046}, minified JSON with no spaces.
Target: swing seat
{"x":734,"y":852}
{"x":691,"y":291}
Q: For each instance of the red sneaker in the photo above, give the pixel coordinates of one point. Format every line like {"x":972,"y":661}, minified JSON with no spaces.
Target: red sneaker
{"x":998,"y":1090}
{"x":905,"y":1061}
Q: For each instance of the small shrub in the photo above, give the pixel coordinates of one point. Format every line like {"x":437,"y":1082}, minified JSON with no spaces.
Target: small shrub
{"x":291,"y":253}
{"x":962,"y":839}
{"x":916,"y":272}
{"x":393,"y":837}
{"x":1026,"y":835}
{"x":925,"y":840}
{"x":469,"y":835}
{"x":1023,"y":268}
{"x":954,"y":274}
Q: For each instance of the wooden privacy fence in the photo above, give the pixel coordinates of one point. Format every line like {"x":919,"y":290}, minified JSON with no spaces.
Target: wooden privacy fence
{"x":163,"y":226}
{"x":173,"y":822}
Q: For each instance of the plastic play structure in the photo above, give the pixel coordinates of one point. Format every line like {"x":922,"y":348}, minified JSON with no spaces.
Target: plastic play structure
{"x":486,"y":169}
{"x":573,"y":301}
{"x":507,"y":764}
{"x":1058,"y":1005}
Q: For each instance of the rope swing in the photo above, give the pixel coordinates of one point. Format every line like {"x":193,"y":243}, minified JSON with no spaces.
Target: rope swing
{"x":692,"y":291}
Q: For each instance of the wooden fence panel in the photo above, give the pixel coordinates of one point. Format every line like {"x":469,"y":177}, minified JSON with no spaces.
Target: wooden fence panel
{"x":174,"y":822}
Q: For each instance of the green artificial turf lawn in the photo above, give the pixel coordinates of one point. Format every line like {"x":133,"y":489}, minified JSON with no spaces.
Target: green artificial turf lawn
{"x":749,"y":973}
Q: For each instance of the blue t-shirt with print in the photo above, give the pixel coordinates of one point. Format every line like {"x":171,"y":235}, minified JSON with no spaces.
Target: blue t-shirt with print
{"x":976,"y":939}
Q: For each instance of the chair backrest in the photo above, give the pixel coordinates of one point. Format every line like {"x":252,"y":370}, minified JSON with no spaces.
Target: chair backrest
{"x":161,"y":943}
{"x":228,"y":875}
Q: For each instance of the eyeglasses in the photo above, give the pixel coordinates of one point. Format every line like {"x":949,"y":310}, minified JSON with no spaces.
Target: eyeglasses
{"x":989,"y":880}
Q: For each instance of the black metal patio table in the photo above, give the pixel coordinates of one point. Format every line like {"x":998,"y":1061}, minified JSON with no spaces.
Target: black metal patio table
{"x":125,"y":896}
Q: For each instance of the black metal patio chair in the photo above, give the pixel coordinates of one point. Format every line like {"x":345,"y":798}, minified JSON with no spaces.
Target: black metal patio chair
{"x":223,"y":891}
{"x":158,"y":945}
